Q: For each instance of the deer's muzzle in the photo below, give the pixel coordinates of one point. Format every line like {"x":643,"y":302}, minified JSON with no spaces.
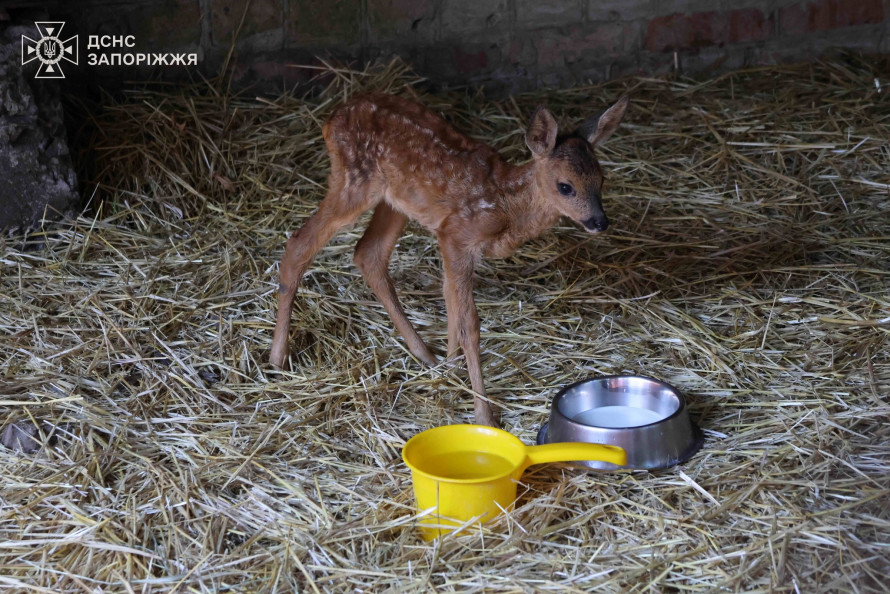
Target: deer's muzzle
{"x":596,"y":223}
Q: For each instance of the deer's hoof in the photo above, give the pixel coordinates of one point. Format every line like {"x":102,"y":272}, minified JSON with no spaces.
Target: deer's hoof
{"x":487,"y":417}
{"x":278,"y":359}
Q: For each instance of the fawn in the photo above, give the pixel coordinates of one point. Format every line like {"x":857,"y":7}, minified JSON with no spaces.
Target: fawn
{"x":397,"y":156}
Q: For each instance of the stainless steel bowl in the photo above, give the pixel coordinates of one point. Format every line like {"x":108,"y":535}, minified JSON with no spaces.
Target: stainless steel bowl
{"x":646,"y":417}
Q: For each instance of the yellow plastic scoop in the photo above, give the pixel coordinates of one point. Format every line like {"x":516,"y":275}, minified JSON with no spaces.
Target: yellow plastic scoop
{"x":469,"y":472}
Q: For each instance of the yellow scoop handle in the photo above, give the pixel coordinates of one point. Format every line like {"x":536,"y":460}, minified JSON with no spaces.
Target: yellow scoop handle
{"x":568,"y":451}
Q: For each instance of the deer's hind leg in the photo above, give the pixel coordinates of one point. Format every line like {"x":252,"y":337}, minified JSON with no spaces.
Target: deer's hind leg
{"x":340,"y":207}
{"x":372,"y":254}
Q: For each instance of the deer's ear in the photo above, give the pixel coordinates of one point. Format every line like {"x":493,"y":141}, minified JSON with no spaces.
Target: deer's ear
{"x":541,"y":134}
{"x":598,"y":129}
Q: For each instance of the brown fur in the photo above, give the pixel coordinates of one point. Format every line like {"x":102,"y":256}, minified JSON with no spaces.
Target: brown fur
{"x":407,"y":162}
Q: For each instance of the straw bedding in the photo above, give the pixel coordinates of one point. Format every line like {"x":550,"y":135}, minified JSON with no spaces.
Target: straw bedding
{"x":748,"y":264}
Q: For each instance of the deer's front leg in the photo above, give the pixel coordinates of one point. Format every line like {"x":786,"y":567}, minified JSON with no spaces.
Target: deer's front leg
{"x":463,"y":321}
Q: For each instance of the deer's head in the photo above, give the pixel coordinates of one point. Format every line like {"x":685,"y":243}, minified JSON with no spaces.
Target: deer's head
{"x":567,"y":174}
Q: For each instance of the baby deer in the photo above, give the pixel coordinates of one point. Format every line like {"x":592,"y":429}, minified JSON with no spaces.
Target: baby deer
{"x":406,"y":161}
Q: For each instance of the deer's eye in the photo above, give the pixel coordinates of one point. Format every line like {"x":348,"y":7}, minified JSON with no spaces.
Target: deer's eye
{"x":565,"y":189}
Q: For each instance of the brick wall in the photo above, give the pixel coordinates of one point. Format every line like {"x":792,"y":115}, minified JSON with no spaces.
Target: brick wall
{"x":506,"y":44}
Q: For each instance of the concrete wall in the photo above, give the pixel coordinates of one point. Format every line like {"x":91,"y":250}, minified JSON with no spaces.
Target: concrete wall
{"x":506,"y":44}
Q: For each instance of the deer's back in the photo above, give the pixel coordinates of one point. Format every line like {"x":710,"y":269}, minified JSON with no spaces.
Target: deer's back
{"x":417,"y":162}
{"x":376,"y":130}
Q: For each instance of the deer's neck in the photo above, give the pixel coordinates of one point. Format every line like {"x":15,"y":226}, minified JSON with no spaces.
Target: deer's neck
{"x":526,"y":214}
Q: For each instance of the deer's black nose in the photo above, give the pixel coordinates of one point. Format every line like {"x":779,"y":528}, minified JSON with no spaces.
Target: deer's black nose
{"x":600,"y":223}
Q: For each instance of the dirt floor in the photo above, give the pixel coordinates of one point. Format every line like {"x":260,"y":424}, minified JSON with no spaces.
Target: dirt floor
{"x":748,"y":264}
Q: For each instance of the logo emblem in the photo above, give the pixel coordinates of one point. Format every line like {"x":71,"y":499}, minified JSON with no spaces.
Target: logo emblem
{"x":50,"y":50}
